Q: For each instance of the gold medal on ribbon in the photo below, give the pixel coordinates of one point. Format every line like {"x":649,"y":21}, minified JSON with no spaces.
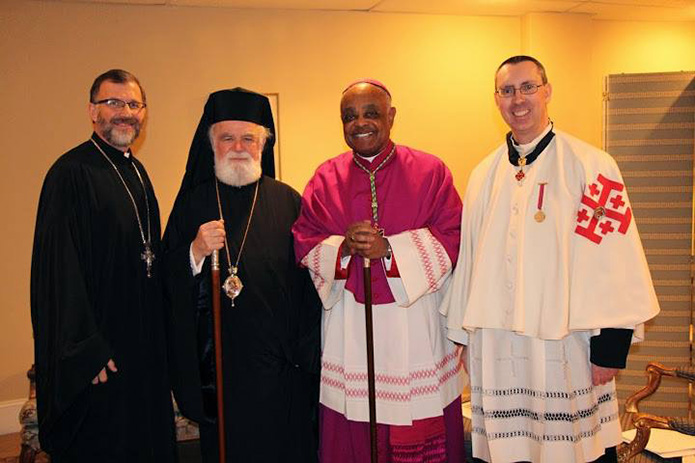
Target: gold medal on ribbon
{"x":540,"y":215}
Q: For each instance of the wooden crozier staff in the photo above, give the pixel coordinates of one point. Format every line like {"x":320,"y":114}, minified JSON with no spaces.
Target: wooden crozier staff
{"x":232,"y":288}
{"x":217,"y":324}
{"x":371,"y":388}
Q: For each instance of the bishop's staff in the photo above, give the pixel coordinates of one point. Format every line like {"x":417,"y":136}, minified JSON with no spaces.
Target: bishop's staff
{"x":217,"y":324}
{"x":371,"y":389}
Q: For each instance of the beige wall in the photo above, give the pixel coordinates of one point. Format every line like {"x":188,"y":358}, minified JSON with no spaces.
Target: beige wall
{"x":439,"y":69}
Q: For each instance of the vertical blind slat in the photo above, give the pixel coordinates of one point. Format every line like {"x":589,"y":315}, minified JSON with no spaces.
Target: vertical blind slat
{"x":649,"y":128}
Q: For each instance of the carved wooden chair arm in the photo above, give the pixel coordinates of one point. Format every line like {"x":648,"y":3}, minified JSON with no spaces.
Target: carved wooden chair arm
{"x":644,"y":422}
{"x":654,"y":373}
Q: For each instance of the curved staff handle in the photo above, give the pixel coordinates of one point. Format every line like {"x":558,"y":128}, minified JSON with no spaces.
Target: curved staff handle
{"x":371,"y":388}
{"x":217,"y":324}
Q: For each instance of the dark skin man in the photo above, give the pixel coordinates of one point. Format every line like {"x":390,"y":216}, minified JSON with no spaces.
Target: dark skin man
{"x":367,"y":117}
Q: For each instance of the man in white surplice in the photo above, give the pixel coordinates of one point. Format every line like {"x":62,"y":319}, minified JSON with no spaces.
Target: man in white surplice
{"x":552,"y":286}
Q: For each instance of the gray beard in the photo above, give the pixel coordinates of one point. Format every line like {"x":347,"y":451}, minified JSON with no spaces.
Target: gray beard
{"x":116,"y":137}
{"x":238,"y":173}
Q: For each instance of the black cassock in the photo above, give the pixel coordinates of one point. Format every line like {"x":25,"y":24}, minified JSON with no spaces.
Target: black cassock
{"x":91,"y":301}
{"x":270,"y":337}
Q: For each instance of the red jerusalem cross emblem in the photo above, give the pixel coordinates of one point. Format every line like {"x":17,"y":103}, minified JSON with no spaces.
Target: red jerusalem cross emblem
{"x":602,"y":210}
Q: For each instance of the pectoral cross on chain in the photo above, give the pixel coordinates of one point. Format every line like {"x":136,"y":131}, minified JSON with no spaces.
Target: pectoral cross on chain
{"x":148,"y":256}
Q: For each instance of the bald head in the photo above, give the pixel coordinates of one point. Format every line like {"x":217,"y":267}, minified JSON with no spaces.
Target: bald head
{"x":367,"y":116}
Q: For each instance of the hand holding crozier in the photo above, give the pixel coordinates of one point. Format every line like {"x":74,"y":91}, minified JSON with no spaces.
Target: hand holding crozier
{"x":210,"y":237}
{"x":363,"y":239}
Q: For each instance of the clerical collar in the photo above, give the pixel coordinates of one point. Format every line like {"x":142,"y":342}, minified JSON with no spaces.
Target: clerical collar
{"x":534,"y":148}
{"x":376,"y":159}
{"x":114,"y":153}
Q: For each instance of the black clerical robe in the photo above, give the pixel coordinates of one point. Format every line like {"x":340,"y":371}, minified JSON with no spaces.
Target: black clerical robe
{"x":270,"y":337}
{"x":91,"y":301}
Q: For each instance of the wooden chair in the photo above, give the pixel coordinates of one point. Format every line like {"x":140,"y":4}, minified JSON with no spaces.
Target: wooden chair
{"x":644,"y":422}
{"x":29,"y":435}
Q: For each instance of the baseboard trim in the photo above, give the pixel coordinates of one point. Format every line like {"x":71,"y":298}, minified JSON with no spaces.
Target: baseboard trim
{"x":9,"y":416}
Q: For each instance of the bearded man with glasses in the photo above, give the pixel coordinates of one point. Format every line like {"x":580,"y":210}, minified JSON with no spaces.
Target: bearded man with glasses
{"x":102,"y":386}
{"x":551,"y":288}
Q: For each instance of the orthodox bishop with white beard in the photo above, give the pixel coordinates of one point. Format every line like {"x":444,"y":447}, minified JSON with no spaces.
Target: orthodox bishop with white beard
{"x":229,"y":202}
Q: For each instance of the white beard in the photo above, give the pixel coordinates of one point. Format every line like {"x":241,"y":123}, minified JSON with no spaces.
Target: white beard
{"x":238,"y":169}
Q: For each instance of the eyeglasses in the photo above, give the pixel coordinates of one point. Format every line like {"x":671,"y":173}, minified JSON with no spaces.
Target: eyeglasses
{"x":524,"y":89}
{"x":115,"y":103}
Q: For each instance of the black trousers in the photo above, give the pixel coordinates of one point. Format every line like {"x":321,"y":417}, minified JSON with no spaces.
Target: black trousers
{"x":609,"y":457}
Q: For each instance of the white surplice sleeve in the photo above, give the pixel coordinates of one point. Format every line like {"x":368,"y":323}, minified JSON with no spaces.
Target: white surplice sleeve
{"x":423,"y":265}
{"x":321,"y":262}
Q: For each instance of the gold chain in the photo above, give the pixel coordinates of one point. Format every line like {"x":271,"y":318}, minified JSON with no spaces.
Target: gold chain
{"x":130,"y":195}
{"x":372,"y":183}
{"x":233,"y":269}
{"x":147,"y":255}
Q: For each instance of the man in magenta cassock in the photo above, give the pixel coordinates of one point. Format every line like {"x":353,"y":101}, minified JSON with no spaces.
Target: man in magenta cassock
{"x":398,"y":207}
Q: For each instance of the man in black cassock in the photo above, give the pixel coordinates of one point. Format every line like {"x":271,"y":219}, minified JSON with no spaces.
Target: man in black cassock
{"x":230,"y":201}
{"x":102,"y":388}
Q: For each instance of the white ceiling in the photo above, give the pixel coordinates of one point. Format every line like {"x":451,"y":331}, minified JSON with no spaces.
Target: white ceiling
{"x":639,"y":10}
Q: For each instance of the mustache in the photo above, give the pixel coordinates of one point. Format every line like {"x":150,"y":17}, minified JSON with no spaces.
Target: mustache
{"x":238,"y":155}
{"x":125,"y":120}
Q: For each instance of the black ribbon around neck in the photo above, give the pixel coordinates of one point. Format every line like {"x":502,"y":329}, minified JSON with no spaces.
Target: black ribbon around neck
{"x":514,"y":154}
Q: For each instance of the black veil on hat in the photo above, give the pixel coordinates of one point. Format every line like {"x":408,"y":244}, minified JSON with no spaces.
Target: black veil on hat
{"x":237,"y":104}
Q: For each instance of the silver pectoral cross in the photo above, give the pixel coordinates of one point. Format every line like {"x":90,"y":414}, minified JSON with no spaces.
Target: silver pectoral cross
{"x":148,"y":256}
